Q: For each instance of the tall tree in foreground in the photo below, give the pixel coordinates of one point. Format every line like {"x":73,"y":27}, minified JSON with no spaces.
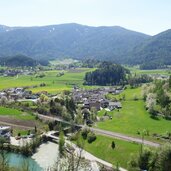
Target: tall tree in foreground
{"x":152,"y":160}
{"x":61,"y":144}
{"x":163,"y":162}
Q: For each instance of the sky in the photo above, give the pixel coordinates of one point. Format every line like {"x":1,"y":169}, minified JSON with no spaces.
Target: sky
{"x":147,"y":16}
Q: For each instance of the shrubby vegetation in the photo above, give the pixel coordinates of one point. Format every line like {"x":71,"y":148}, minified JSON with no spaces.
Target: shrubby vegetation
{"x":138,"y":80}
{"x":158,"y":97}
{"x":152,"y":160}
{"x":84,"y":134}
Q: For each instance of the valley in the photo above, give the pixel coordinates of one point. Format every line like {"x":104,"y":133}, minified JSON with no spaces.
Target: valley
{"x":46,"y":84}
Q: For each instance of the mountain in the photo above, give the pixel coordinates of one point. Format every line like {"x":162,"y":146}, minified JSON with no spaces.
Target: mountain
{"x":154,"y":52}
{"x":69,"y":40}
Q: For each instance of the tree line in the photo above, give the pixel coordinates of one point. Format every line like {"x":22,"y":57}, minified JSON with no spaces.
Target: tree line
{"x":106,"y":74}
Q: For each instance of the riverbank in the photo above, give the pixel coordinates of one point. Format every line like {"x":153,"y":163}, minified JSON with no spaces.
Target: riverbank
{"x":46,"y":155}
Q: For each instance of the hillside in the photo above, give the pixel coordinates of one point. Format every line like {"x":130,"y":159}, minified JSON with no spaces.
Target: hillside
{"x":69,"y":40}
{"x":84,"y":42}
{"x":154,"y":52}
{"x":18,"y":60}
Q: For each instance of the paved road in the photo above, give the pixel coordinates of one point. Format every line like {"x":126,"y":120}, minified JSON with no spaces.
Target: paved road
{"x":124,"y":137}
{"x":106,"y":133}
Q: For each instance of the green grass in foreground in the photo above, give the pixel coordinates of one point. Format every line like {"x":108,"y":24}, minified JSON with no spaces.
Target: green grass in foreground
{"x":101,"y":148}
{"x":133,"y":117}
{"x":15,"y":113}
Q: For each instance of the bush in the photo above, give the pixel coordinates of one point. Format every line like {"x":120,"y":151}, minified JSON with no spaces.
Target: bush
{"x":74,"y":137}
{"x":113,"y":145}
{"x":84,"y":133}
{"x":91,"y":137}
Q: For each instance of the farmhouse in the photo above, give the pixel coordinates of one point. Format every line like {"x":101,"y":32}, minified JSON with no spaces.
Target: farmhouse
{"x":104,"y":103}
{"x":114,"y":105}
{"x":5,"y":131}
{"x":92,"y":104}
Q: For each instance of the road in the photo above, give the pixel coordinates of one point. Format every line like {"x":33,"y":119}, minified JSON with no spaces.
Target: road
{"x":106,"y":133}
{"x":94,"y":160}
{"x":124,"y":137}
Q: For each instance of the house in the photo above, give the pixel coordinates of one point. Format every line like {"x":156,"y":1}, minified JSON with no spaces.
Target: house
{"x":114,"y":105}
{"x":2,"y":94}
{"x":5,"y":131}
{"x":104,"y":103}
{"x":19,"y":90}
{"x":86,"y":105}
{"x":95,"y":104}
{"x":91,"y":104}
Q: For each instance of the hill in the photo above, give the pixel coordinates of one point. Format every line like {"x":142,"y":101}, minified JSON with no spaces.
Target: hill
{"x":17,"y":61}
{"x":84,"y":42}
{"x":153,"y":53}
{"x":69,"y":40}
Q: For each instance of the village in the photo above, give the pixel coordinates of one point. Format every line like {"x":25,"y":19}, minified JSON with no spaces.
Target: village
{"x":95,"y":98}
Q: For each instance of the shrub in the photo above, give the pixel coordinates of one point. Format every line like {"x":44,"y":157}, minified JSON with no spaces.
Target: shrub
{"x":113,"y":145}
{"x":84,"y":133}
{"x":91,"y":137}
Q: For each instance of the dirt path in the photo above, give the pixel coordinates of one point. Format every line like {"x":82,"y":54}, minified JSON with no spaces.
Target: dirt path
{"x":26,"y":124}
{"x":15,"y":125}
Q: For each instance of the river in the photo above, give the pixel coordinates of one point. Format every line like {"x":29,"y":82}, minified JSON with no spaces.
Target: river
{"x":44,"y":158}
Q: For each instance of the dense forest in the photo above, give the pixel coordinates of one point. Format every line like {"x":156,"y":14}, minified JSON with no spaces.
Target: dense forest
{"x":76,"y":41}
{"x":106,"y":74}
{"x":153,"y":53}
{"x":69,"y":40}
{"x":21,"y":61}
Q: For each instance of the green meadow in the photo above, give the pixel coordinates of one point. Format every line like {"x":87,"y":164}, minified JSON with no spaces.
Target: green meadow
{"x":102,"y":149}
{"x":133,"y":117}
{"x":136,"y":70}
{"x":53,"y":83}
{"x":4,"y":111}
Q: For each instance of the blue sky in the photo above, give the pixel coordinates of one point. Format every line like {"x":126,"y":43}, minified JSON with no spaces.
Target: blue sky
{"x":147,"y":16}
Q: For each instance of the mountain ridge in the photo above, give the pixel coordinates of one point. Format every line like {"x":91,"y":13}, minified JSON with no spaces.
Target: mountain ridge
{"x":77,"y":41}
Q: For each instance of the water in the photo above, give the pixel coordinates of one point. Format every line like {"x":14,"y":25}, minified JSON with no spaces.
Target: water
{"x":44,"y":158}
{"x":18,"y":160}
{"x":46,"y":155}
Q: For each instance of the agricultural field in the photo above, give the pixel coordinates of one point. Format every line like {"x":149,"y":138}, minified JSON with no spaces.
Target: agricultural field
{"x":119,"y":155}
{"x":133,"y":119}
{"x":136,"y":70}
{"x":66,"y":61}
{"x":15,"y":114}
{"x":53,"y":82}
{"x":20,"y":121}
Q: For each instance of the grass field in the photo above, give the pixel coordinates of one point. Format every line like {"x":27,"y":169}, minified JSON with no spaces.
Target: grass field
{"x":135,"y":70}
{"x":15,"y":114}
{"x":53,"y":83}
{"x":121,"y":154}
{"x":133,"y":117}
{"x":66,"y":61}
